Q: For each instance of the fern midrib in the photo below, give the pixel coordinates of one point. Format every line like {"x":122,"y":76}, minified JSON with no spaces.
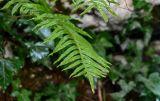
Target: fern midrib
{"x":79,"y":51}
{"x":78,"y":46}
{"x":76,"y":42}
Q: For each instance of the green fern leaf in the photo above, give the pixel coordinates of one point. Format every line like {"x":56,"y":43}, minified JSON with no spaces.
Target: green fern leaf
{"x":77,"y":52}
{"x":101,"y":5}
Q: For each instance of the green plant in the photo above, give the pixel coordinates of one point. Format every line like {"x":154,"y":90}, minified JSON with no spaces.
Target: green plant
{"x":133,"y":50}
{"x":20,"y":93}
{"x":101,"y":5}
{"x":8,"y":68}
{"x":76,"y":52}
{"x":59,"y":92}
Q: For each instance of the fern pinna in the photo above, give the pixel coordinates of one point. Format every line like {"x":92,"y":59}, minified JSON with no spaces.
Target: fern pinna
{"x":77,"y":52}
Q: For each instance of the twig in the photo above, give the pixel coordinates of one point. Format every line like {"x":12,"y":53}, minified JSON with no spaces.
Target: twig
{"x":99,"y":91}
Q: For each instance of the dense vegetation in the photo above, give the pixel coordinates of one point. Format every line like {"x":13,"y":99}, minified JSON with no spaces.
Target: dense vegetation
{"x":48,"y":54}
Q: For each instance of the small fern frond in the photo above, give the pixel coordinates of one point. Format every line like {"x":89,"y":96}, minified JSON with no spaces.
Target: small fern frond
{"x":26,"y":7}
{"x":101,"y":5}
{"x":77,"y":53}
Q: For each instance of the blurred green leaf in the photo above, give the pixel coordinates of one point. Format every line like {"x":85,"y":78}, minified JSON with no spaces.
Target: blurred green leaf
{"x":126,"y":88}
{"x":20,"y":93}
{"x":152,"y":83}
{"x":38,"y":51}
{"x":8,"y":67}
{"x":61,"y":92}
{"x":23,"y":95}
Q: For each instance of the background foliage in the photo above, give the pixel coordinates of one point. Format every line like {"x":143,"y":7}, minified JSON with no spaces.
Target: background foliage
{"x":133,"y":51}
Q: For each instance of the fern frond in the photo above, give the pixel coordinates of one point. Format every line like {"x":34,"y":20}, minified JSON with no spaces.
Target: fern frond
{"x":26,"y":7}
{"x":101,"y":5}
{"x":77,"y":53}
